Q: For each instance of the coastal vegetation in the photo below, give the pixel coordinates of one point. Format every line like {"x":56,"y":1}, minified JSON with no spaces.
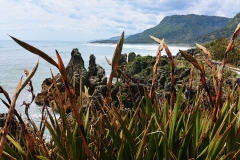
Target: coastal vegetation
{"x":203,"y":127}
{"x":218,"y":47}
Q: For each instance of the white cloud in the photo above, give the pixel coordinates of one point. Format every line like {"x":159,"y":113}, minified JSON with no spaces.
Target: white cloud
{"x":96,"y":19}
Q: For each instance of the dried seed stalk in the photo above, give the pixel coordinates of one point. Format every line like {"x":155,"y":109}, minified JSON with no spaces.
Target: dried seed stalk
{"x":172,"y":71}
{"x":114,"y":64}
{"x":172,"y":75}
{"x":209,"y":63}
{"x":13,"y":104}
{"x":190,"y":82}
{"x":201,"y":69}
{"x":154,"y":79}
{"x":220,"y":71}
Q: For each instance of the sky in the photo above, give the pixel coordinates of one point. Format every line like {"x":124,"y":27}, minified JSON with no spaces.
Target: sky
{"x":86,"y":20}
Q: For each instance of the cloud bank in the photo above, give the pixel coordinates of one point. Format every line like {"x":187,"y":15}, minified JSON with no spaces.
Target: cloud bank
{"x":97,"y":19}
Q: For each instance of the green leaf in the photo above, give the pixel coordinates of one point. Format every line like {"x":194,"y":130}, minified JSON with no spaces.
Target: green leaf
{"x":180,"y":124}
{"x":126,"y":132}
{"x":153,"y":137}
{"x":9,"y":150}
{"x":176,"y":111}
{"x":120,"y":151}
{"x":86,"y":120}
{"x":238,"y":103}
{"x":116,"y":138}
{"x":143,"y":141}
{"x":76,"y":141}
{"x":203,"y":152}
{"x":148,"y":106}
{"x":190,"y":127}
{"x":17,"y":145}
{"x":165,"y":128}
{"x":220,"y":142}
{"x":183,"y":151}
{"x":133,"y":118}
{"x":56,"y":139}
{"x":220,"y":120}
{"x":42,"y":157}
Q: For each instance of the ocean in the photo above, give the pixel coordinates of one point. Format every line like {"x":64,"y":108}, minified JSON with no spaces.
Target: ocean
{"x":14,"y":58}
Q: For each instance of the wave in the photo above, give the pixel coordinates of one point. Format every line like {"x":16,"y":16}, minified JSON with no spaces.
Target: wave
{"x":138,"y":46}
{"x":141,"y":46}
{"x":100,"y":44}
{"x":149,"y":48}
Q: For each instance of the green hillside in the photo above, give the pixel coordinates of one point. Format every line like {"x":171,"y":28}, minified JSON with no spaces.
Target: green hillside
{"x":180,"y":28}
{"x":185,"y":29}
{"x":225,"y":32}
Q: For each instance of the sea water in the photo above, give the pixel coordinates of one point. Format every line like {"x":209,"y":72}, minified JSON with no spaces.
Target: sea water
{"x":14,"y":58}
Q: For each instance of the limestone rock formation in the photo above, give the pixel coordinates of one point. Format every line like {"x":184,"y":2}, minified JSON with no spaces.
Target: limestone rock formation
{"x":131,"y":56}
{"x":94,"y":76}
{"x":127,"y":91}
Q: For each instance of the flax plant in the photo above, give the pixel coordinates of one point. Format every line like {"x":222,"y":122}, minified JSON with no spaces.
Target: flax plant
{"x":151,"y":129}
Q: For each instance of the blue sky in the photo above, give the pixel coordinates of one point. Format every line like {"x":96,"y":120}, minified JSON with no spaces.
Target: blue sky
{"x":84,"y":20}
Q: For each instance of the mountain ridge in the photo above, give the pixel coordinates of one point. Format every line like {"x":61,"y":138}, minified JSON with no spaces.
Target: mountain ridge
{"x":182,"y":29}
{"x":225,"y":32}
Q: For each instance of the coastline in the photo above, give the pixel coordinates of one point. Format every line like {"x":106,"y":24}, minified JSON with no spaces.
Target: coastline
{"x":141,"y":43}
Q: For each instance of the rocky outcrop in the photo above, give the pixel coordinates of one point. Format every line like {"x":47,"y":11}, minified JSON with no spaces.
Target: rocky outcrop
{"x":92,"y":69}
{"x":140,"y":73}
{"x":75,"y":65}
{"x":122,"y":60}
{"x":131,"y":56}
{"x":129,"y":89}
{"x":94,"y":76}
{"x":75,"y":69}
{"x":40,"y":98}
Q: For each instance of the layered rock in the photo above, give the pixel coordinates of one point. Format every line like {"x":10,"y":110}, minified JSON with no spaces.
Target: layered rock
{"x":94,"y":76}
{"x":130,"y":88}
{"x":131,"y":56}
{"x":139,"y":70}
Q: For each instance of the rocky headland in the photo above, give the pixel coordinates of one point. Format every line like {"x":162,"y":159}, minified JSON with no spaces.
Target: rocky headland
{"x":139,"y":72}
